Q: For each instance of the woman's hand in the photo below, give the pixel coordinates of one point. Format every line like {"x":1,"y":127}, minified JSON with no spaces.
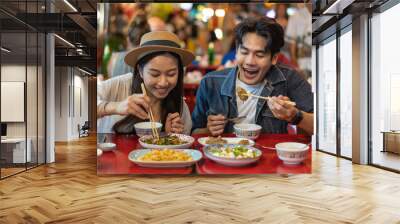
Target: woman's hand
{"x":136,"y":104}
{"x":174,"y":123}
{"x":216,"y":124}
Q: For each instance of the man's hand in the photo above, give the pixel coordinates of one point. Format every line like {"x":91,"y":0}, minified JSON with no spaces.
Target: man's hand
{"x":216,"y":124}
{"x":174,"y":123}
{"x":281,"y":109}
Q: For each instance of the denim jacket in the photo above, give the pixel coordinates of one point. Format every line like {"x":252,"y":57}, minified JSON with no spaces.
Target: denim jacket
{"x":216,"y":95}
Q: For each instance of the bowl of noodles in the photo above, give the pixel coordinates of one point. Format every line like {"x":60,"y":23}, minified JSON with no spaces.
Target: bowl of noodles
{"x":165,"y":158}
{"x":169,"y":141}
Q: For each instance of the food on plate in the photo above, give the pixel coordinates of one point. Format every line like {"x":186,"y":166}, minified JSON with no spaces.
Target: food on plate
{"x":165,"y":155}
{"x":244,"y":142}
{"x":242,"y":93}
{"x":166,"y":140}
{"x":236,"y":152}
{"x":216,"y":140}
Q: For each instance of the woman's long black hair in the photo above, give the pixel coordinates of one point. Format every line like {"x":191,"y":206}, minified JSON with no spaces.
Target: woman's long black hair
{"x":169,"y":105}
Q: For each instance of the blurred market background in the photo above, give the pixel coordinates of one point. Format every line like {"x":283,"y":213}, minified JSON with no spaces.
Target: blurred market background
{"x":206,"y":29}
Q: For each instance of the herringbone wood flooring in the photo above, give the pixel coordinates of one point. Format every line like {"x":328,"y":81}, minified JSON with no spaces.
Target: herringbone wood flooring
{"x":10,"y":171}
{"x":70,"y":192}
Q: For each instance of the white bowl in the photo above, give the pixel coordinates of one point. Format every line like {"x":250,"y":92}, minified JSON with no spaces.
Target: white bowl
{"x":106,"y":146}
{"x":251,"y":131}
{"x":144,"y":128}
{"x":292,"y":153}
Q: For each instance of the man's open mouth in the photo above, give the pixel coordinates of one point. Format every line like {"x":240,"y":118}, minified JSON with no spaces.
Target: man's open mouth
{"x":251,"y":72}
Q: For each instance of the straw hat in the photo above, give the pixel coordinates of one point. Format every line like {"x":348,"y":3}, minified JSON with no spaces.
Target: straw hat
{"x":158,"y":41}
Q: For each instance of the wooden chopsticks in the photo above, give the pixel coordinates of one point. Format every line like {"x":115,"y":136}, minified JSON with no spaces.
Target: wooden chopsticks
{"x":243,"y":92}
{"x":152,"y":121}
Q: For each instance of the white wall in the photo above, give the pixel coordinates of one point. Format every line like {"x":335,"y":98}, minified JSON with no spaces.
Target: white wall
{"x":71,"y":93}
{"x":61,"y":103}
{"x":12,"y":73}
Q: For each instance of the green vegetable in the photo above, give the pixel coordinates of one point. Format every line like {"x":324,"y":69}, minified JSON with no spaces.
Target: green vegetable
{"x":167,"y":140}
{"x":237,"y":151}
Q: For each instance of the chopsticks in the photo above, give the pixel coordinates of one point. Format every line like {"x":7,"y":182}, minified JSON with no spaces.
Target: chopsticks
{"x":243,"y":92}
{"x":152,"y":121}
{"x":236,"y":119}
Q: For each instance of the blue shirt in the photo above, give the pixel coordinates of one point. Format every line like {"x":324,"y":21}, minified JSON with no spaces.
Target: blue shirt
{"x":230,"y":56}
{"x":216,"y":95}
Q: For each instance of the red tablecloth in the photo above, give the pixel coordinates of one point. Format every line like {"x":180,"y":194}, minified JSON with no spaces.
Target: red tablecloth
{"x":269,"y":162}
{"x":117,"y":162}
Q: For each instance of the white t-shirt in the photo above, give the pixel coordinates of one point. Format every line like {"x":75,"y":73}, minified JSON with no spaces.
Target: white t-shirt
{"x":248,"y":108}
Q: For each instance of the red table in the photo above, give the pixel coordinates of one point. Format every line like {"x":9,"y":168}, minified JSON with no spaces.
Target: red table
{"x":269,"y":162}
{"x":117,"y":162}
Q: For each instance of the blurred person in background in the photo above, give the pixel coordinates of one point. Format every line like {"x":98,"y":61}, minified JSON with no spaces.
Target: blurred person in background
{"x":156,"y":24}
{"x":228,"y":60}
{"x":282,"y":18}
{"x":100,"y":50}
{"x":120,"y":19}
{"x":158,"y":63}
{"x":179,"y":24}
{"x":137,"y":28}
{"x":281,"y":15}
{"x":115,"y":40}
{"x":299,"y":34}
{"x":258,"y":42}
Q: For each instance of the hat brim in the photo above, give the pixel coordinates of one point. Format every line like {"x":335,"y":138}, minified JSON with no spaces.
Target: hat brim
{"x":136,"y":54}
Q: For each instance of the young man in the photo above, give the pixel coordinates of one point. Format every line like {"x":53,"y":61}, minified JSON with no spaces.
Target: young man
{"x":257,"y":43}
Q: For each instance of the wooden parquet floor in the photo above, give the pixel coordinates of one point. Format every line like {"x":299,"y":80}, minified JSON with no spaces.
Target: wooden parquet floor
{"x":10,"y":171}
{"x":69,"y":191}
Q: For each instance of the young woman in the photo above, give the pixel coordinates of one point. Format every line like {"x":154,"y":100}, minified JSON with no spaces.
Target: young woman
{"x":158,"y":63}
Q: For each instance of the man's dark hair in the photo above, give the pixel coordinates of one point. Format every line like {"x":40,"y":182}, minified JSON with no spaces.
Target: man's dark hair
{"x":265,"y":27}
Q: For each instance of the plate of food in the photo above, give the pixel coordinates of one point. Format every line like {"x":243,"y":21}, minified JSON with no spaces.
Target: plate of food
{"x":171,"y":141}
{"x":232,"y":155}
{"x":165,"y":158}
{"x":225,"y":140}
